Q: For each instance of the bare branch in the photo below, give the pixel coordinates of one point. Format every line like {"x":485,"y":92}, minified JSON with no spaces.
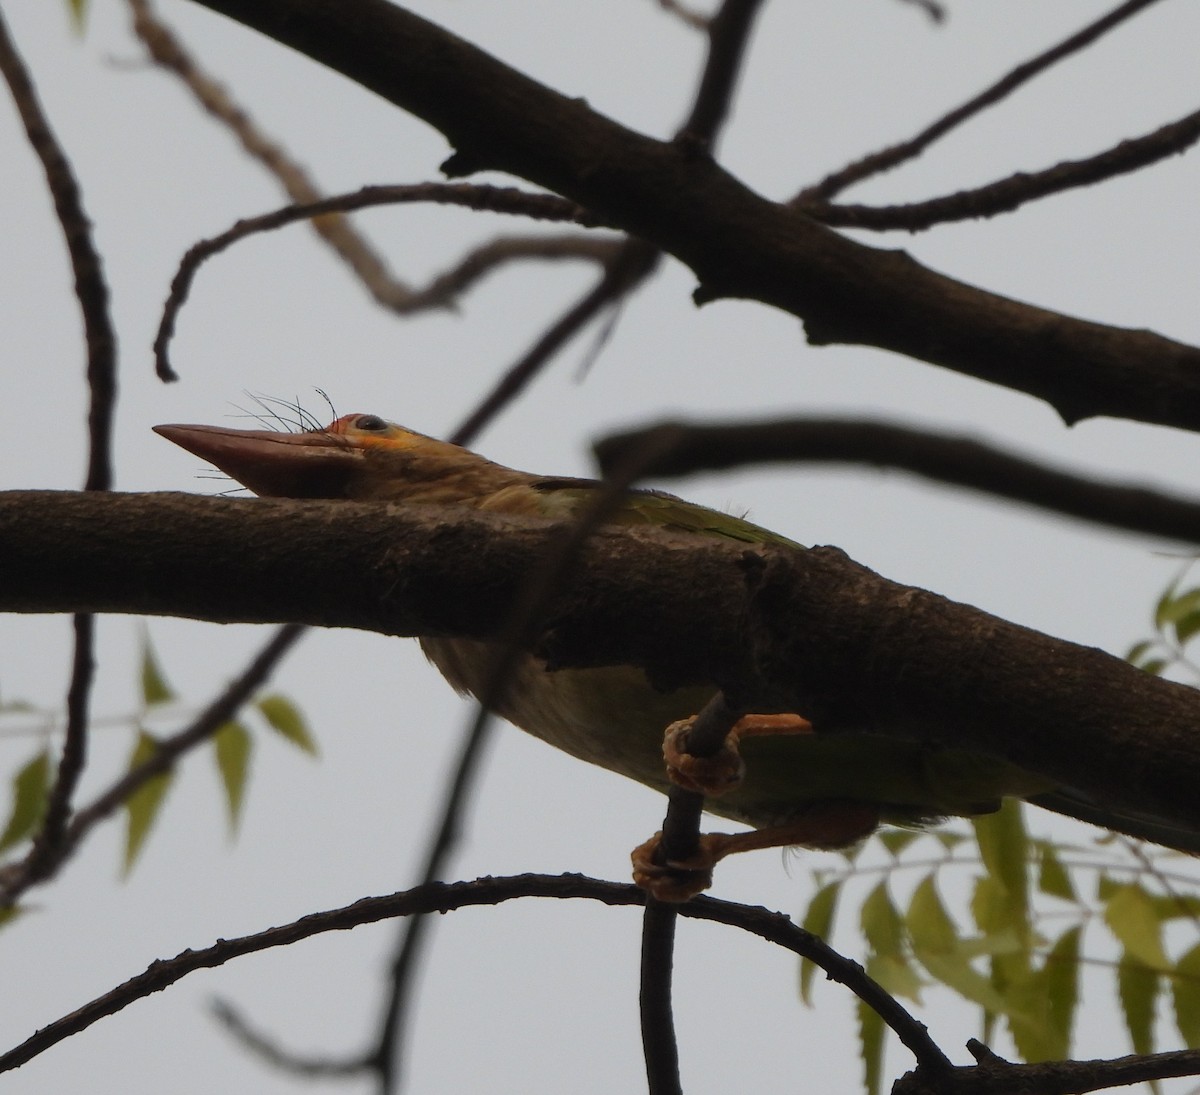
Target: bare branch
{"x":935,"y":11}
{"x":351,"y":246}
{"x":310,"y":1067}
{"x":625,"y":270}
{"x":817,"y":195}
{"x":772,"y":927}
{"x":537,"y":588}
{"x":91,"y":290}
{"x":738,"y":243}
{"x":493,"y":199}
{"x":444,"y":289}
{"x":686,"y":15}
{"x":660,"y":1047}
{"x":961,"y":461}
{"x":1005,"y":195}
{"x":728,"y":36}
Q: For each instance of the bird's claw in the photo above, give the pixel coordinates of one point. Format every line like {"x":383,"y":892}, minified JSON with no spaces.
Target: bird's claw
{"x":723,"y":770}
{"x":712,"y":775}
{"x":673,"y":881}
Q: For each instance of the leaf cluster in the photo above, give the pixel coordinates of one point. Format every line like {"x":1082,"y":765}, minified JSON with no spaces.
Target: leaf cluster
{"x":991,"y":942}
{"x":231,"y":748}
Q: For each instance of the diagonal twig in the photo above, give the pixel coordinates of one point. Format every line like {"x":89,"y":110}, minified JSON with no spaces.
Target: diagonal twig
{"x":1005,"y":195}
{"x":385,"y":1058}
{"x":886,"y":159}
{"x":626,"y":269}
{"x":728,"y":37}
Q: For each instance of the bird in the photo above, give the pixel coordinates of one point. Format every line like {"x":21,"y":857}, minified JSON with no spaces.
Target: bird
{"x":793,"y":785}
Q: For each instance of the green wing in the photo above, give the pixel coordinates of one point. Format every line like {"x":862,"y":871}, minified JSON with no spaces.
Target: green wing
{"x":566,"y":497}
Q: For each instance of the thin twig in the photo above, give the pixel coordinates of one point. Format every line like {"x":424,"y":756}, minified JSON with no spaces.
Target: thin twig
{"x":306,"y":1065}
{"x":886,"y":159}
{"x":656,"y":1013}
{"x":352,"y":247}
{"x":685,"y":15}
{"x":492,"y":199}
{"x":680,"y":840}
{"x":1005,"y":195}
{"x":962,"y":461}
{"x":728,"y":37}
{"x":439,"y":897}
{"x":628,"y":268}
{"x":91,"y":290}
{"x":385,"y":1058}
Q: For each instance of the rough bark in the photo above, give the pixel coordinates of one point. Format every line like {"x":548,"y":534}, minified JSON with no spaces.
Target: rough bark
{"x":852,"y":649}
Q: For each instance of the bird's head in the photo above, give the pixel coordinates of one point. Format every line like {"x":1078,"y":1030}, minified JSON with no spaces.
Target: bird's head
{"x":357,"y":456}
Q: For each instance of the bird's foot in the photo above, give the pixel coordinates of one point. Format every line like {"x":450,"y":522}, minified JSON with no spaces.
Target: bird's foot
{"x":823,"y":825}
{"x":716,"y":774}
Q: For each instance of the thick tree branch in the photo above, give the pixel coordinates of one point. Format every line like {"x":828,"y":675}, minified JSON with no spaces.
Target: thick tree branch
{"x":961,"y":461}
{"x":738,"y":243}
{"x":851,"y":650}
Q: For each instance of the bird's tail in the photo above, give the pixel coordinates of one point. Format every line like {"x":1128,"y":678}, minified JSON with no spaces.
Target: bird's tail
{"x":1133,"y":823}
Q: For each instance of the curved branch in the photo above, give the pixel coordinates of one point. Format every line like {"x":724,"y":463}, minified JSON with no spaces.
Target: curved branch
{"x":628,"y":266}
{"x":91,"y":291}
{"x":886,"y":159}
{"x":738,"y":243}
{"x":438,"y":897}
{"x":494,"y":199}
{"x":1005,"y":195}
{"x":961,"y":461}
{"x":872,"y":654}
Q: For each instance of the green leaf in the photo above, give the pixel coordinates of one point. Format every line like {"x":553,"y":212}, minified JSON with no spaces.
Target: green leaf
{"x":897,"y":974}
{"x":872,"y":1036}
{"x":1177,"y":608}
{"x":896,"y":840}
{"x":1163,"y":607}
{"x":142,"y":807}
{"x":78,"y":14}
{"x":1176,"y":906}
{"x":1131,"y":914}
{"x":881,"y":922}
{"x":936,"y":944}
{"x":948,"y":838}
{"x":1053,"y":878}
{"x":1185,"y":995}
{"x":1004,"y":846}
{"x":1138,"y":987}
{"x":818,"y":920}
{"x":1186,"y":627}
{"x":1154,"y":666}
{"x":1061,"y":979}
{"x":1139,"y":650}
{"x":232,"y":747}
{"x":30,"y":788}
{"x":284,"y":716}
{"x":991,"y":907}
{"x":155,"y":689}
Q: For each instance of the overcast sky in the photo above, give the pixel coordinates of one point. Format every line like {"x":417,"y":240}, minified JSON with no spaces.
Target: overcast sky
{"x":548,"y":987}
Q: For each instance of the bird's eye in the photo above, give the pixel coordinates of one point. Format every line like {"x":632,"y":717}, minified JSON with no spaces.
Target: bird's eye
{"x":369,"y":422}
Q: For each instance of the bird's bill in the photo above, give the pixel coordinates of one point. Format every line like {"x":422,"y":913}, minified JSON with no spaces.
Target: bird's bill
{"x":316,"y":464}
